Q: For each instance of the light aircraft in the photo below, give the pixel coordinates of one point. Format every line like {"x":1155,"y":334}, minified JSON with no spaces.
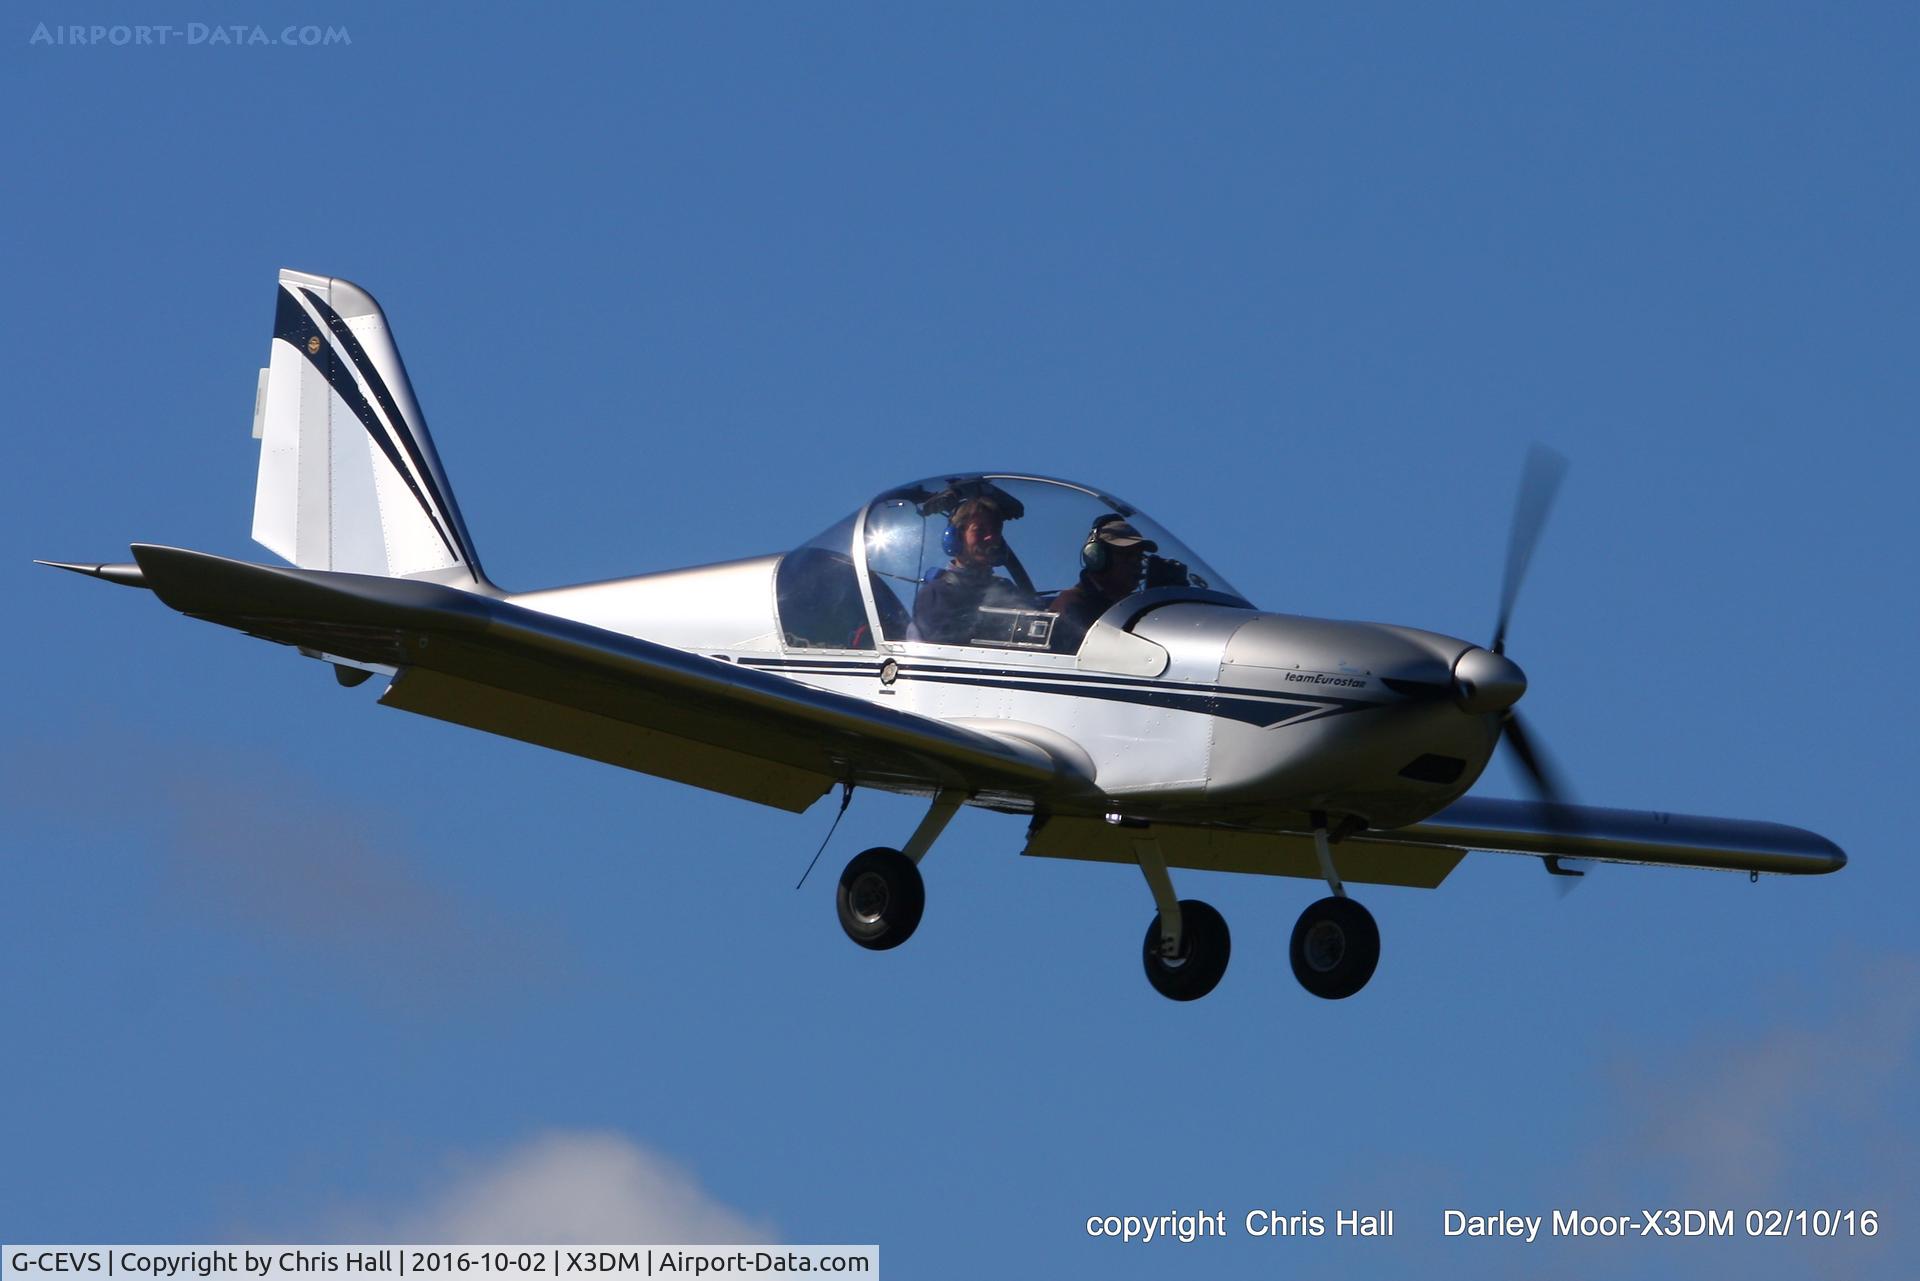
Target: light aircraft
{"x":1026,"y":645}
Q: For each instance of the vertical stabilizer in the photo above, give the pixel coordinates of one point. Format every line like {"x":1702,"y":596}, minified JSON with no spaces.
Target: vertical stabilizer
{"x":349,"y":479}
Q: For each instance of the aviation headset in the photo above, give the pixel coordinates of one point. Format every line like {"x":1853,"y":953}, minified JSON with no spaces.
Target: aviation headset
{"x":1094,"y":556}
{"x":950,"y":536}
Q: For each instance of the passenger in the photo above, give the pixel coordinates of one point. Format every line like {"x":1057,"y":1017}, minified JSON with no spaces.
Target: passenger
{"x":950,"y":598}
{"x":1112,"y":561}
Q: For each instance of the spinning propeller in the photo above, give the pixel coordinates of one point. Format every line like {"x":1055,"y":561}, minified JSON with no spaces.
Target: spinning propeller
{"x":1539,"y":484}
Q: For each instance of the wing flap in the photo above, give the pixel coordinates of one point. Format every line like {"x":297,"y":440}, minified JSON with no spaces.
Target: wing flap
{"x":604,"y":738}
{"x":551,"y":666}
{"x":1227,"y":849}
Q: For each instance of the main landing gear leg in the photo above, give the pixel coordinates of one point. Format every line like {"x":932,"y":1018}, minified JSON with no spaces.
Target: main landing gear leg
{"x":1187,"y":944}
{"x":1336,"y":944}
{"x":944,"y":807}
{"x":881,"y":895}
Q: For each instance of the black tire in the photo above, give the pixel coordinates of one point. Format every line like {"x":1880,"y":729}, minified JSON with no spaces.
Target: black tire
{"x":1335,"y":948}
{"x":1205,"y":946}
{"x":881,"y":898}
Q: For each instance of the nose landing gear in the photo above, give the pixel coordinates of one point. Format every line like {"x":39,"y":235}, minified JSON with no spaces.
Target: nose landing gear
{"x":1334,"y":949}
{"x":1335,"y":942}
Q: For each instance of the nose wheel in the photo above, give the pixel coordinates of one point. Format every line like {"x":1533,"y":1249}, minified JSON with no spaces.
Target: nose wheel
{"x":1335,"y":947}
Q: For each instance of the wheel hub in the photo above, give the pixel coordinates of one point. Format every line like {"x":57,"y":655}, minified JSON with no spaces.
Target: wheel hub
{"x":1205,"y":945}
{"x":1325,"y":946}
{"x":869,"y":897}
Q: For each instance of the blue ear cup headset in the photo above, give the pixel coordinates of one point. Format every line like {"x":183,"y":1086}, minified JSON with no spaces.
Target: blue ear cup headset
{"x":950,"y":536}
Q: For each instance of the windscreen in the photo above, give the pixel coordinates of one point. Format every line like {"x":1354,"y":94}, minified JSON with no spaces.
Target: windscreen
{"x":1013,"y":562}
{"x":817,"y":593}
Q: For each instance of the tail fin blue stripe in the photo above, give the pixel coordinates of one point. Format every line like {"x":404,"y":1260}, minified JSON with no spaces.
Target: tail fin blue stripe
{"x":402,"y":427}
{"x":293,"y":326}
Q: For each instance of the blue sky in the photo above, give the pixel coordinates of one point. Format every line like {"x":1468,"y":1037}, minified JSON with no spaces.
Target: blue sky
{"x":682,"y":283}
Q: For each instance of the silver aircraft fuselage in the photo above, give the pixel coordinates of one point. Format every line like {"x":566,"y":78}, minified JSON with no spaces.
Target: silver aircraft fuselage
{"x":1179,"y":701}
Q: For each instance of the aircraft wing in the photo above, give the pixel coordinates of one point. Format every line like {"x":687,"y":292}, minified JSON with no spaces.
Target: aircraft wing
{"x":1621,"y":836}
{"x":482,"y":662}
{"x":1422,"y":855}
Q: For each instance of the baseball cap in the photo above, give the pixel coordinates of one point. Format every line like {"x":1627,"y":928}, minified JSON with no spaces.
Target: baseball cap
{"x":1116,"y":532}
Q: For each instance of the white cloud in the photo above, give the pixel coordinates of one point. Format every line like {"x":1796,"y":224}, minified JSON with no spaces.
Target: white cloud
{"x":573,"y":1188}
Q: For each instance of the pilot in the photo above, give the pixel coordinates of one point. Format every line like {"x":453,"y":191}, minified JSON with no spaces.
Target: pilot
{"x":1112,"y":561}
{"x":951,"y":597}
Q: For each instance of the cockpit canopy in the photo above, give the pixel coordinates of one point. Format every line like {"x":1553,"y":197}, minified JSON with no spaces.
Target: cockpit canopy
{"x":984,"y":560}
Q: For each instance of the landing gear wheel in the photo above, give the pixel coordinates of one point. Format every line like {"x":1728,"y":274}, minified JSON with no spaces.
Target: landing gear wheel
{"x":881,"y":897}
{"x":1205,"y":945}
{"x":1335,"y":947}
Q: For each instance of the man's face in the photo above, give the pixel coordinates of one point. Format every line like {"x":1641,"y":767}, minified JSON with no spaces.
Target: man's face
{"x":979,"y":540}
